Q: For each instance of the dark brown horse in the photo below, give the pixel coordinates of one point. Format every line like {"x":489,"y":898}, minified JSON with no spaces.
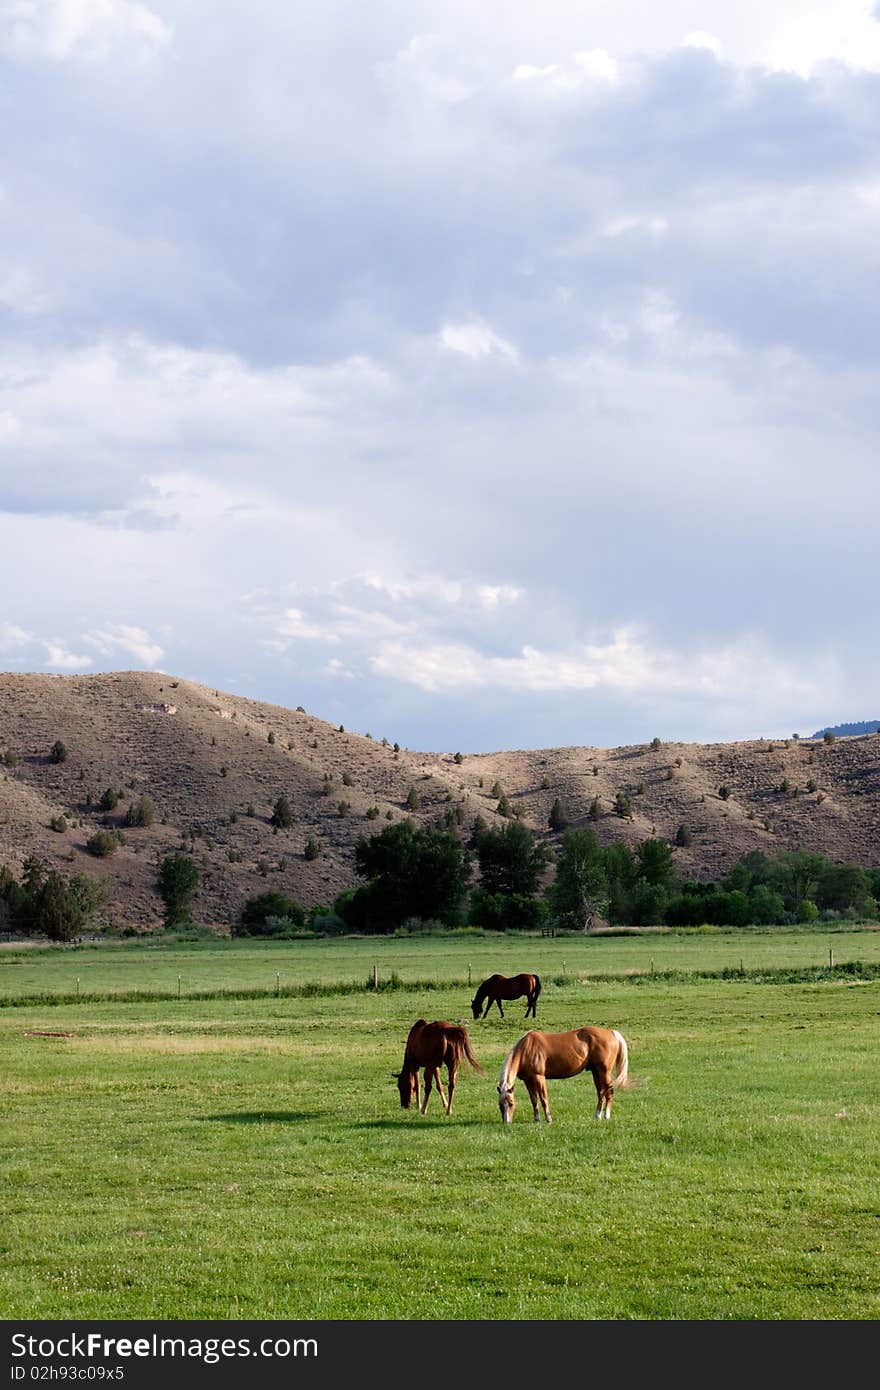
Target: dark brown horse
{"x":499,"y":987}
{"x":432,"y":1046}
{"x":538,"y":1056}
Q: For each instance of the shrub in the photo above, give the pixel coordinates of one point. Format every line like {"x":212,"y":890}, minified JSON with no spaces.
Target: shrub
{"x":683,"y":836}
{"x":347,"y":779}
{"x":282,"y":814}
{"x":141,"y":813}
{"x":812,"y":785}
{"x":623,"y":806}
{"x":109,"y":799}
{"x":497,"y":790}
{"x":458,"y":758}
{"x":58,"y":823}
{"x":829,"y":737}
{"x":58,"y":752}
{"x":413,"y":800}
{"x":269,"y":914}
{"x":372,"y":812}
{"x":103,"y":843}
{"x":270,"y":737}
{"x":312,"y":849}
{"x":557,"y":820}
{"x":724,"y":793}
{"x":655,"y":743}
{"x":343,"y":807}
{"x":397,"y":747}
{"x":595,"y":810}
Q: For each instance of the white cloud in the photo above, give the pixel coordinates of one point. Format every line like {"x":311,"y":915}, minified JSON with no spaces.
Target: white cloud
{"x":475,"y":340}
{"x":128,"y":640}
{"x":63,"y":29}
{"x":627,"y":665}
{"x":60,"y":658}
{"x":12,"y":637}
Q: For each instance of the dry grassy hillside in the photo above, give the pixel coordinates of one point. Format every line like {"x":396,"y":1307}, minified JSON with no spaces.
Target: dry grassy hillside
{"x":213,"y":764}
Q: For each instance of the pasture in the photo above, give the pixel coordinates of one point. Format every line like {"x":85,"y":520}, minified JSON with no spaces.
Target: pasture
{"x":239,"y":1157}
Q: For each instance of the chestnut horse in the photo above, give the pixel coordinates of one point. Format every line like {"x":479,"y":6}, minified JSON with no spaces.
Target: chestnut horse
{"x":499,"y":987}
{"x":432,"y":1046}
{"x":539,"y":1056}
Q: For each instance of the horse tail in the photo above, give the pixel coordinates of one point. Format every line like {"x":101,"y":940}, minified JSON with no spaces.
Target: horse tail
{"x":462,"y":1045}
{"x":537,"y":990}
{"x":469,"y":1052}
{"x":622,"y":1063}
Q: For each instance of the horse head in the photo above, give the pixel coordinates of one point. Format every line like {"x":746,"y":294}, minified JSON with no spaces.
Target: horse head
{"x":506,"y":1102}
{"x":406,"y":1085}
{"x":475,"y":1007}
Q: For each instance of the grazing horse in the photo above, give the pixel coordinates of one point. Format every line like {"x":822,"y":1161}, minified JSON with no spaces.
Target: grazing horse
{"x":499,"y":987}
{"x":539,"y":1056}
{"x":432,"y":1046}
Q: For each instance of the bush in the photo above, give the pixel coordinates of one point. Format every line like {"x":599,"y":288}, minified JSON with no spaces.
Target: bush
{"x":595,"y":811}
{"x":58,"y":823}
{"x":269,"y":914}
{"x":829,"y":737}
{"x":724,"y":793}
{"x":109,"y":799}
{"x":103,"y":843}
{"x":347,"y":779}
{"x":557,"y":820}
{"x":343,"y":807}
{"x":655,"y":743}
{"x":458,"y":758}
{"x":413,"y":800}
{"x":312,"y":849}
{"x":683,"y":836}
{"x":58,"y":752}
{"x":282,"y":814}
{"x":141,"y":813}
{"x":623,"y":806}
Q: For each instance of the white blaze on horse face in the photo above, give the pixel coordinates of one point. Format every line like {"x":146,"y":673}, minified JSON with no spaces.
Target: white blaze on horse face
{"x":506,"y":1104}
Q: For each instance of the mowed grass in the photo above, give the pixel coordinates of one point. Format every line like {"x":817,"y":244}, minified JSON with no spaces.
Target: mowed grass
{"x":249,"y":1158}
{"x":155,"y":965}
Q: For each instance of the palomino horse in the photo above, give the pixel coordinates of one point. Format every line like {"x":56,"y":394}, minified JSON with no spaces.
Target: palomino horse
{"x":432,"y":1046}
{"x":499,"y":987}
{"x":539,"y":1056}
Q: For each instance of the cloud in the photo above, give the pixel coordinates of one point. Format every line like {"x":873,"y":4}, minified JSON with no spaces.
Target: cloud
{"x":476,"y":340}
{"x":551,"y":330}
{"x":128,"y":640}
{"x":59,"y":30}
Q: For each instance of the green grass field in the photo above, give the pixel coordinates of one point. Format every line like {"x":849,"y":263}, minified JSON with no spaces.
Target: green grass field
{"x":248,"y":1158}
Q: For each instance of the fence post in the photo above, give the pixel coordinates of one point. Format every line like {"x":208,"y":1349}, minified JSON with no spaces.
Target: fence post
{"x":77,"y":984}
{"x":375,"y":977}
{"x":469,"y":972}
{"x":178,"y":986}
{"x":830,"y":958}
{"x":277,"y":983}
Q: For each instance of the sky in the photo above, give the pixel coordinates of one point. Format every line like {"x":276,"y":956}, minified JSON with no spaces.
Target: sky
{"x":476,"y":376}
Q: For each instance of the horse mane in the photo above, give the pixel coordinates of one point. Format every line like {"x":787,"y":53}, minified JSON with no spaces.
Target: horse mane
{"x":521,"y":1052}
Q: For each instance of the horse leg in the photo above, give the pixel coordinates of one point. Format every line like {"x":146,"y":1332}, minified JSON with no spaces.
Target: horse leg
{"x":436,"y":1073}
{"x":500,"y":1010}
{"x":530,"y":1006}
{"x":545,"y":1103}
{"x":533,"y":1088}
{"x":418,"y":1091}
{"x":424,"y":1108}
{"x":604,"y":1092}
{"x":488,"y":1006}
{"x":450,"y":1069}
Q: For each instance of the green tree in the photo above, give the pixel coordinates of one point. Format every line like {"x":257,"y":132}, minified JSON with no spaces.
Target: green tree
{"x":282,"y":814}
{"x":58,"y":752}
{"x":141,"y":813}
{"x":413,"y":800}
{"x":656,"y":864}
{"x":177,"y":883}
{"x":683,"y":836}
{"x":411,"y":871}
{"x":623,"y":806}
{"x":557,"y":820}
{"x":269,"y":914}
{"x":579,"y":892}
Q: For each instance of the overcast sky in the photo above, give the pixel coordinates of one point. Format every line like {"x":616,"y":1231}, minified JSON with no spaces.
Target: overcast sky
{"x":478,"y":375}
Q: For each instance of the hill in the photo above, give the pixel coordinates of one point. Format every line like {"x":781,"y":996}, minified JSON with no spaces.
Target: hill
{"x":864,"y":726}
{"x":213,"y":765}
